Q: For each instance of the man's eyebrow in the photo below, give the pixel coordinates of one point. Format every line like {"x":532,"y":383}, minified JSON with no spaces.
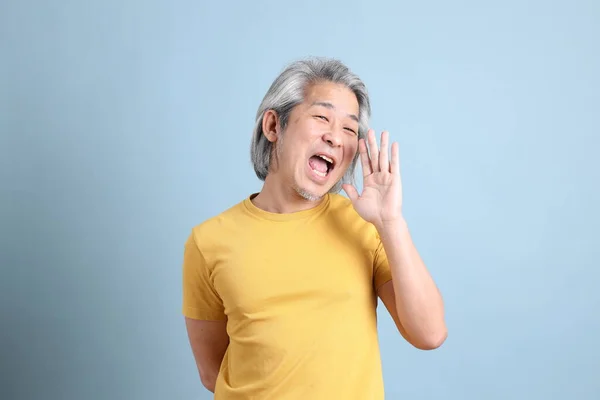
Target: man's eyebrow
{"x":332,"y":107}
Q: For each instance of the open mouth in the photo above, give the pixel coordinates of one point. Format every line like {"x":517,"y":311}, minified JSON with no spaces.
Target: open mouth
{"x":321,"y":164}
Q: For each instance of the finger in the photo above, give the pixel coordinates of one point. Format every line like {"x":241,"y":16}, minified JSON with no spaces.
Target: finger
{"x":364,"y":158}
{"x":384,"y":163}
{"x":395,"y":164}
{"x":350,"y":191}
{"x":373,"y":150}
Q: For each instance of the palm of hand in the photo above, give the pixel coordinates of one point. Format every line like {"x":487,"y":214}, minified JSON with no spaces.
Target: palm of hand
{"x":381,"y":199}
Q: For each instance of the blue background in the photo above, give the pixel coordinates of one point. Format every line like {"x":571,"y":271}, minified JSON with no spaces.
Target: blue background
{"x":125,"y":123}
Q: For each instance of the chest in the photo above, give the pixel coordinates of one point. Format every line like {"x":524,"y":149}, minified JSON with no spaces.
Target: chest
{"x":295,"y":271}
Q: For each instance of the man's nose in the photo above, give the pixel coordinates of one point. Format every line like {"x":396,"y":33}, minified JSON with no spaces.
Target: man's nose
{"x":333,"y":139}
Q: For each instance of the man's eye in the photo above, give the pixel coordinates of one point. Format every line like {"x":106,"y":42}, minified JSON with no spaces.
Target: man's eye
{"x":322,"y":117}
{"x":351,"y":130}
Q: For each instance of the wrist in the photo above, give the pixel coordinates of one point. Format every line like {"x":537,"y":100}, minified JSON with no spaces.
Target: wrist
{"x":393,"y":227}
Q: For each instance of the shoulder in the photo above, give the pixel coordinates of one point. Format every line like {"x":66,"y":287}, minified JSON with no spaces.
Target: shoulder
{"x":343,"y":214}
{"x":342,"y":205}
{"x":217,"y":227}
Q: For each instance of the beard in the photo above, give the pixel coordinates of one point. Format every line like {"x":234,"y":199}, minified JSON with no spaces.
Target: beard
{"x":303,"y":193}
{"x":306,"y":195}
{"x":312,"y":196}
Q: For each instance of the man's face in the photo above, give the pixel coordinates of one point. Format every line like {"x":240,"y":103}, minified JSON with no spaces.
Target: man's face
{"x":320,"y":140}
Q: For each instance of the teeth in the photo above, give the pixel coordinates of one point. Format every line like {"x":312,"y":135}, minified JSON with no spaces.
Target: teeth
{"x":329,"y":160}
{"x":323,"y":174}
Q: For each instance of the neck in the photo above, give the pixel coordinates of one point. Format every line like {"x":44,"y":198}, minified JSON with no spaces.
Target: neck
{"x":281,"y":198}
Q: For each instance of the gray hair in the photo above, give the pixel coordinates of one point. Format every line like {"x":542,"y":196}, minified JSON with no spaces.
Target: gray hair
{"x":287,"y":91}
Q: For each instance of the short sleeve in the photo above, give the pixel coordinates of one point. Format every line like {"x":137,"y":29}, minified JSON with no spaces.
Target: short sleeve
{"x":381,"y":267}
{"x":200,"y":299}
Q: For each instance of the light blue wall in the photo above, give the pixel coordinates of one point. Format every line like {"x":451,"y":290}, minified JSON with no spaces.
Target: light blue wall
{"x":121,"y":119}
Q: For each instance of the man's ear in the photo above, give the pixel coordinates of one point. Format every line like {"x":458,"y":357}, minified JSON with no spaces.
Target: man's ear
{"x":270,"y":125}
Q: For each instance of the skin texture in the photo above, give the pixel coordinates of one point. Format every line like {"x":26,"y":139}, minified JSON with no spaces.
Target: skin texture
{"x":412,"y":297}
{"x":326,"y":122}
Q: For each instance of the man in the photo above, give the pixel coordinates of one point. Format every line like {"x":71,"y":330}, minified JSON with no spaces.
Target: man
{"x":280,"y":291}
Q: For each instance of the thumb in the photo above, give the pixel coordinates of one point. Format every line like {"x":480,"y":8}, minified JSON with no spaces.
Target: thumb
{"x":351,"y":192}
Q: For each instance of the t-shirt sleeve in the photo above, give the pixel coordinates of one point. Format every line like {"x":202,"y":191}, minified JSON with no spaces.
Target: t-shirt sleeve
{"x":200,"y":299}
{"x":381,"y":267}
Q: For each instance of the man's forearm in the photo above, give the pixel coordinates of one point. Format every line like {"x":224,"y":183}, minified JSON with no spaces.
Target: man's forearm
{"x":418,"y":301}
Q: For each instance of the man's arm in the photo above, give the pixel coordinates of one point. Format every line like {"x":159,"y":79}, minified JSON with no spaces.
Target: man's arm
{"x":209,"y":341}
{"x":411,"y":297}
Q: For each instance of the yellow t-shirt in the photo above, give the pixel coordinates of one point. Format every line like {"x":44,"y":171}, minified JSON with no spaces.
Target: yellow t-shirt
{"x":298,"y":292}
